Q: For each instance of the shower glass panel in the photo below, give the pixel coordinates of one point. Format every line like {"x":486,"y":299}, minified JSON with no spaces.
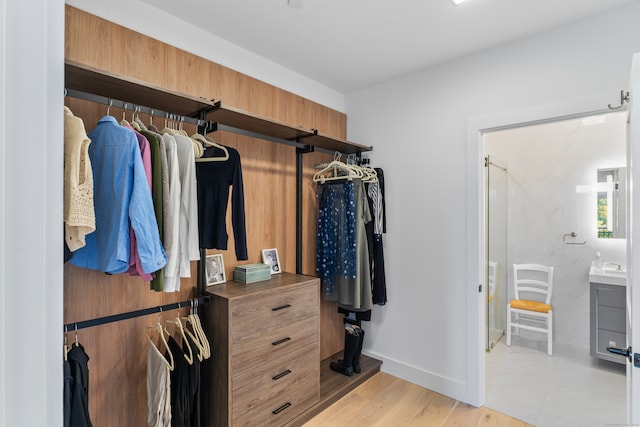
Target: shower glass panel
{"x":496,"y":263}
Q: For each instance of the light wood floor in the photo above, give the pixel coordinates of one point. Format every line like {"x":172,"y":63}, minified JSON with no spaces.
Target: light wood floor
{"x":385,"y":400}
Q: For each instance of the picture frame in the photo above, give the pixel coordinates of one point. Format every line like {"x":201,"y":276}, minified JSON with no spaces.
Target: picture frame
{"x":214,"y":267}
{"x":270,"y":257}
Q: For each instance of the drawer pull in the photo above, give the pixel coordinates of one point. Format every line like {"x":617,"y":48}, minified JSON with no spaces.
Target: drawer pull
{"x":280,"y":409}
{"x":282,"y":307}
{"x":282,"y":341}
{"x":281,"y":374}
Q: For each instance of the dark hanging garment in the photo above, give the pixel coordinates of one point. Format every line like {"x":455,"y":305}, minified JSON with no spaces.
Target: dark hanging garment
{"x":194,"y":387}
{"x":68,"y":384}
{"x":214,"y":179}
{"x":180,"y":406}
{"x":78,"y":363}
{"x":376,"y":200}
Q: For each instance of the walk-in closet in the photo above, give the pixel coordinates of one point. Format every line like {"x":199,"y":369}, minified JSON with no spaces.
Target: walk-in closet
{"x":281,"y":138}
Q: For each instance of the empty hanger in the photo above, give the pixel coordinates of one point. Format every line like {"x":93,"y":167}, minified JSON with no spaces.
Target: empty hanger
{"x":188,"y":357}
{"x":170,"y":364}
{"x":331,"y":172}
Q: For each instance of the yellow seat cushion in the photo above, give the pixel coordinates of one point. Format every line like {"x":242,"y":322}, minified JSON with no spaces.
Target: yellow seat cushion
{"x":524,"y":304}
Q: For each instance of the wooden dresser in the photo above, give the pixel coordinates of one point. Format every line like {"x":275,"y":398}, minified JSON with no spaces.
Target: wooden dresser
{"x":265,"y":344}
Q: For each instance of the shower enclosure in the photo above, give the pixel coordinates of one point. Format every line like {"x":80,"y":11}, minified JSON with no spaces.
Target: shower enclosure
{"x":496,"y":250}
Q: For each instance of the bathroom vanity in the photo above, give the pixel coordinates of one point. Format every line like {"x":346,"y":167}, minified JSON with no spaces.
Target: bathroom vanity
{"x":608,"y":311}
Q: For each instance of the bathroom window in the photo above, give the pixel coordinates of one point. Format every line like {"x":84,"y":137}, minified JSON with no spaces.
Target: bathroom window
{"x":611,"y":203}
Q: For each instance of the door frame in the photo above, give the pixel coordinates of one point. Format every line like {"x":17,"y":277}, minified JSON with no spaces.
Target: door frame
{"x":475,"y":217}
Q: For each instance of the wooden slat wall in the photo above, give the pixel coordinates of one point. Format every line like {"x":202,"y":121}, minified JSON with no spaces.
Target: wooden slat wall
{"x":118,"y":350}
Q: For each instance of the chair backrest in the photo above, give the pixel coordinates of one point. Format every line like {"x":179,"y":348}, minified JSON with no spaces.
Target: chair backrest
{"x":533,"y":278}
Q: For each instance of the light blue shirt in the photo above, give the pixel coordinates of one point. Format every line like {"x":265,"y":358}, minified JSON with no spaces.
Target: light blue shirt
{"x":122,"y":199}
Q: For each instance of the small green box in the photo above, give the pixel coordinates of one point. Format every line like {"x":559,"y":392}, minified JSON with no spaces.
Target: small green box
{"x":250,"y":273}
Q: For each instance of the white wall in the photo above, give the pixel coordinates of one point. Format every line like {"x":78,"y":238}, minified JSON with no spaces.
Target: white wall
{"x":545,"y":164}
{"x":31,"y":162}
{"x":427,"y":333}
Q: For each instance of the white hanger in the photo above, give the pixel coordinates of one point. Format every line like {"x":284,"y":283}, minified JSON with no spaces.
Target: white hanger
{"x":195,"y":321}
{"x":124,"y":121}
{"x":210,"y":143}
{"x":170,"y":364}
{"x":185,"y":342}
{"x":330,"y":172}
{"x":134,"y":123}
{"x":195,"y":339}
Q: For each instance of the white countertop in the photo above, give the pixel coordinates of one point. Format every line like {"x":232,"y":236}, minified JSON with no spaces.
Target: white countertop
{"x":609,"y":275}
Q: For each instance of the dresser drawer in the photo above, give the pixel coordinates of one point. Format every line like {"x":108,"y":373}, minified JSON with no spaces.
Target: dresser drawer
{"x":278,"y":404}
{"x":260,"y":312}
{"x":251,"y":350}
{"x":285,"y":369}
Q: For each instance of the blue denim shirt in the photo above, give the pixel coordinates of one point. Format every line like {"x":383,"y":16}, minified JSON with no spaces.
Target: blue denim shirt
{"x":122,"y":199}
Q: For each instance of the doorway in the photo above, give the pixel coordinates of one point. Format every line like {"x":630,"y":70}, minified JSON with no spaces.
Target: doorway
{"x":550,"y":221}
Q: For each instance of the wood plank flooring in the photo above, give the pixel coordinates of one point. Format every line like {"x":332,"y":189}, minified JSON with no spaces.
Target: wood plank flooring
{"x":385,"y":400}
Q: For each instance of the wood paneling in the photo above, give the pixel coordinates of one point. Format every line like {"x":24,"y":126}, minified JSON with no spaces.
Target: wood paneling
{"x":118,"y":350}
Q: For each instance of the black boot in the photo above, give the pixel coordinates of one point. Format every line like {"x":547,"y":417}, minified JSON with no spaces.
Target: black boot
{"x":345,"y":365}
{"x":356,"y":356}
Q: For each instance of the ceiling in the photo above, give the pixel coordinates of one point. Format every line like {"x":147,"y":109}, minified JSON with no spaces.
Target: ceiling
{"x":348,"y":45}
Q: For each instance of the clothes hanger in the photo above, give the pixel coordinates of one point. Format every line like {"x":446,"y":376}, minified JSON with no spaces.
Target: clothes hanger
{"x":124,"y":121}
{"x":198,"y":146}
{"x":109,"y":107}
{"x":194,"y":338}
{"x":168,"y":126}
{"x":151,"y":126}
{"x":170,"y":364}
{"x":207,"y":142}
{"x":139,"y":122}
{"x":185,"y":342}
{"x":135,"y":124}
{"x":188,"y":357}
{"x":332,"y":169}
{"x":181,"y":127}
{"x":66,"y":347}
{"x":195,"y":321}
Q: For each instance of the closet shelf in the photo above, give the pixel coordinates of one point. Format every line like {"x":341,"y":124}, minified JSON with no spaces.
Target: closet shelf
{"x":88,"y":79}
{"x":242,"y":122}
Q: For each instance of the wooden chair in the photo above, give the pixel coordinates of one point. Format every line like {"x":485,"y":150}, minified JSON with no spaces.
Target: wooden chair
{"x":535,"y":283}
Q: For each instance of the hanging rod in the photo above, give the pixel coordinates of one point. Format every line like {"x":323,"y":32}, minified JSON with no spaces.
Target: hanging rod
{"x":131,"y":314}
{"x":86,"y":96}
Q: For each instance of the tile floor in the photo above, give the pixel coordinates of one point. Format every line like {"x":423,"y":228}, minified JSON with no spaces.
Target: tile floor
{"x":568,"y":389}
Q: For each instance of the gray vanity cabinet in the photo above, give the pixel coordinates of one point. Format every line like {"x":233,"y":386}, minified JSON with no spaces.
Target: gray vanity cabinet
{"x":608,"y":320}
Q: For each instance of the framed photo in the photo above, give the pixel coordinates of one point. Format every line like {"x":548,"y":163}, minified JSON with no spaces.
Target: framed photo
{"x":214,"y":267}
{"x":270,"y":257}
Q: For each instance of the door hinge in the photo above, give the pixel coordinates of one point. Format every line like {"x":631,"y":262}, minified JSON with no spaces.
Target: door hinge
{"x":486,"y":162}
{"x":480,"y":288}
